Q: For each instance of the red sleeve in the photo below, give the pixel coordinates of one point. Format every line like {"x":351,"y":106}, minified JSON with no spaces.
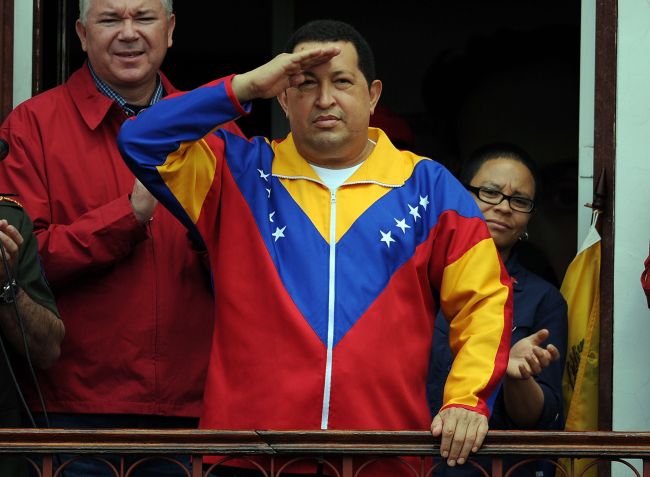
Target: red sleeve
{"x":476,"y":298}
{"x":93,"y":241}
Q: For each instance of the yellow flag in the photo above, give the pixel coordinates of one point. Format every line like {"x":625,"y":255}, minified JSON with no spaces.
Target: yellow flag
{"x":581,"y":290}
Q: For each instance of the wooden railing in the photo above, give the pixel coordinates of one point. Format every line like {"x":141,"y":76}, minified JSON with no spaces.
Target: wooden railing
{"x":344,"y":454}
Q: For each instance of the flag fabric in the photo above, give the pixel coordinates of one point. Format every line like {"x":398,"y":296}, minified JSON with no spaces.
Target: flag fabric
{"x":581,"y":290}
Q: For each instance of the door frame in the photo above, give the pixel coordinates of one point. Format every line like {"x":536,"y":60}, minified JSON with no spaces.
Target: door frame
{"x":604,"y":146}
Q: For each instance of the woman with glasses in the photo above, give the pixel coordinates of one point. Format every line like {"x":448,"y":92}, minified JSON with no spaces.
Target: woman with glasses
{"x":503,"y":181}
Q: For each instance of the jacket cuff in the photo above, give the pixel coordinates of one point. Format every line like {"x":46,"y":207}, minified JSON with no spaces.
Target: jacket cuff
{"x":119,"y":221}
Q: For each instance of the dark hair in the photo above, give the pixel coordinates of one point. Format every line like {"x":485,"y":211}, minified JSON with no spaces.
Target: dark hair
{"x":322,"y":31}
{"x":497,"y":151}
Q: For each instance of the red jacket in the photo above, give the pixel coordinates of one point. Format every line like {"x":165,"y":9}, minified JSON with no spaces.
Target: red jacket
{"x":136,"y":300}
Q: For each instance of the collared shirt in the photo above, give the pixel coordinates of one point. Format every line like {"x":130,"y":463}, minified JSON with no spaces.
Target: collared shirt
{"x":129,"y":109}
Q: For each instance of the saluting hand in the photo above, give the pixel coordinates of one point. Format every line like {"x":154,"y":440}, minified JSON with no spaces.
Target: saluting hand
{"x":282,"y":72}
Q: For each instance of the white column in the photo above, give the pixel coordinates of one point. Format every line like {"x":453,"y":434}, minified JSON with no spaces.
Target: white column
{"x":23,"y":30}
{"x":632,"y":218}
{"x":586,"y":128}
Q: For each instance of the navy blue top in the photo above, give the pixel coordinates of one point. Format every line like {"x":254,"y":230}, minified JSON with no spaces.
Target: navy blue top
{"x":537,"y":305}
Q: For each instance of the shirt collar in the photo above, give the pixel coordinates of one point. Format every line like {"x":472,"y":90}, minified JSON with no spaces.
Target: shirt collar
{"x":106,"y":90}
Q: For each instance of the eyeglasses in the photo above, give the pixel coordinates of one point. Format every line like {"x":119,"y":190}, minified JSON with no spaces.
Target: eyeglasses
{"x":494,"y":197}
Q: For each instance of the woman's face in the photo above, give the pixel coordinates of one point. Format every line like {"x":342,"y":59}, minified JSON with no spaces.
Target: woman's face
{"x":512,"y":178}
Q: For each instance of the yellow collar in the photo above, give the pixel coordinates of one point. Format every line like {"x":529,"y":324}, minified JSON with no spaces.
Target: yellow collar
{"x":385,"y":166}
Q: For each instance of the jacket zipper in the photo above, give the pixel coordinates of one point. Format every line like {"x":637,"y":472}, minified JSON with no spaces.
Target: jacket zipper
{"x":330,"y":313}
{"x":327,"y":386}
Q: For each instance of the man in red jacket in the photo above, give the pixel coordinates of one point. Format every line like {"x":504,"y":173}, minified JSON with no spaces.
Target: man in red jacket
{"x":131,"y":287}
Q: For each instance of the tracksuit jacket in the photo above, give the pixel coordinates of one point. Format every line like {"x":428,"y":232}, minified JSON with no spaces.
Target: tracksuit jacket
{"x":325,"y":300}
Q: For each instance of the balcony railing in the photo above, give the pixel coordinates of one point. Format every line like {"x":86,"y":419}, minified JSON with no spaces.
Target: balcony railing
{"x":340,"y":453}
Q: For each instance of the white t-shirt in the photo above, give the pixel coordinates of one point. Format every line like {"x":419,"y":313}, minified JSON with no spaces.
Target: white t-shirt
{"x":333,"y":178}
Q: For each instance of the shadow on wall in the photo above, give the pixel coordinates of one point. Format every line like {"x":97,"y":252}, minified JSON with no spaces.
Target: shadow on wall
{"x":520,"y":87}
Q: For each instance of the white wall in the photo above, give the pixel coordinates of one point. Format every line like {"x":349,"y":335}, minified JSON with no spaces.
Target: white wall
{"x":632,"y":211}
{"x":23,"y":28}
{"x":632,"y":218}
{"x":586,"y":129}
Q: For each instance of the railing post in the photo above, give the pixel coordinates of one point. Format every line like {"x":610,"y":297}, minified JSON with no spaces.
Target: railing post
{"x":197,"y":465}
{"x":497,"y":466}
{"x":646,"y":468}
{"x":348,"y":468}
{"x":47,"y":465}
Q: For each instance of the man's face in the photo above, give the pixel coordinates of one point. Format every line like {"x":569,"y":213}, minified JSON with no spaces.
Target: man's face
{"x":330,"y":111}
{"x":126,"y":41}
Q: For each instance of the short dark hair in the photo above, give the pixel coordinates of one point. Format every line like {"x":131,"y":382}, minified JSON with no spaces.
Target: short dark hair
{"x":322,"y":31}
{"x":500,"y":150}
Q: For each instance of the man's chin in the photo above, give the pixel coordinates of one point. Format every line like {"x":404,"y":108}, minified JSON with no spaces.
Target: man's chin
{"x":135,"y":78}
{"x":326,"y":138}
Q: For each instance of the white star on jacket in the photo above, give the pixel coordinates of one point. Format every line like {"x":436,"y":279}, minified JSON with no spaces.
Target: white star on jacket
{"x":402,"y":225}
{"x":414,"y":212}
{"x":263,"y":176}
{"x":386,"y":237}
{"x":279,"y":233}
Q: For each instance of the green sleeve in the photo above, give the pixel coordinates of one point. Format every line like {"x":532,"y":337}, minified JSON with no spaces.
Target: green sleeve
{"x":28,"y":272}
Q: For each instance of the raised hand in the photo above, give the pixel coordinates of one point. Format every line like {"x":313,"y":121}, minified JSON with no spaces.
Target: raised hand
{"x":528,"y":358}
{"x":282,"y":72}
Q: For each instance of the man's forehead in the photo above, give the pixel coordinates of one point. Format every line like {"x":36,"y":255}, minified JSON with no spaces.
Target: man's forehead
{"x":347,"y":60}
{"x":306,"y":45}
{"x":100,"y":6}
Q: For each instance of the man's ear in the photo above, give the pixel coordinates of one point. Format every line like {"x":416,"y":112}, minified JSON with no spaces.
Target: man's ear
{"x":81,"y":33}
{"x":375,"y":93}
{"x":282,"y":99}
{"x":171,"y":24}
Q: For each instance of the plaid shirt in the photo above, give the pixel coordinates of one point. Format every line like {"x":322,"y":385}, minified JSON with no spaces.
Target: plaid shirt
{"x":111,"y":93}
